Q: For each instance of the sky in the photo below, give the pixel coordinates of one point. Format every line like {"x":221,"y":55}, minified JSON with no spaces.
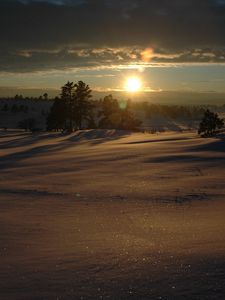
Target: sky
{"x":176,"y":45}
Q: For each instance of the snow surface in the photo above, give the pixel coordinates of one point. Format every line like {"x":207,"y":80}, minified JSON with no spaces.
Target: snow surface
{"x":105,"y":214}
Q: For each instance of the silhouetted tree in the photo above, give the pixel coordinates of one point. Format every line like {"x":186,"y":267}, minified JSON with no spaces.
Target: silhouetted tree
{"x":115,"y":115}
{"x":18,"y":97}
{"x":56,"y":119}
{"x":27,"y":124}
{"x":91,"y":120}
{"x":81,"y":103}
{"x":14,"y":108}
{"x":5,"y":107}
{"x":109,"y":112}
{"x":68,"y":102}
{"x":129,"y":121}
{"x":72,"y":108}
{"x":45,"y":96}
{"x":210,"y":123}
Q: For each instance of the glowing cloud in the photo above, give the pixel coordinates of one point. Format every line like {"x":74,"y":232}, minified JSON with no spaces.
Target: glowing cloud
{"x":147,"y":54}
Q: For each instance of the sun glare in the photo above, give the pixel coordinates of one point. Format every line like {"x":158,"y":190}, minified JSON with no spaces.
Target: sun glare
{"x":133,"y":84}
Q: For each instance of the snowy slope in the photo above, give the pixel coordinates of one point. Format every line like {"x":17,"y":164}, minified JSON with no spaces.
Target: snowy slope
{"x":102,"y":214}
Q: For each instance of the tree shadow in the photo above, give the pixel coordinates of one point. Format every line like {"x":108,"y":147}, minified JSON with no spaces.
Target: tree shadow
{"x":98,"y":136}
{"x":68,"y":141}
{"x":183,"y":158}
{"x":11,"y":160}
{"x":217,"y":144}
{"x":172,"y":139}
{"x":191,"y":153}
{"x":26,"y":139}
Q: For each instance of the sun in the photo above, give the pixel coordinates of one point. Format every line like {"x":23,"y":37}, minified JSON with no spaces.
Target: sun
{"x":133,"y":84}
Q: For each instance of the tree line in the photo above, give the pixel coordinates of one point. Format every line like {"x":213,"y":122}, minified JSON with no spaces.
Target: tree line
{"x":75,"y":110}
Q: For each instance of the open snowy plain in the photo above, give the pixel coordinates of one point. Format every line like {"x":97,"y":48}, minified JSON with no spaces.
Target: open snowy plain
{"x":112,"y":215}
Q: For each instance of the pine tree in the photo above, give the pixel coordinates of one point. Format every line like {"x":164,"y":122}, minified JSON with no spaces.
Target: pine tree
{"x":109,"y":112}
{"x":210,"y":123}
{"x":72,"y":108}
{"x":68,"y":102}
{"x":115,"y":115}
{"x":56,"y":119}
{"x":81,"y":103}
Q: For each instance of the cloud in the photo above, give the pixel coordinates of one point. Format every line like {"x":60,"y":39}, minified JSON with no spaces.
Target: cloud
{"x":57,"y":34}
{"x":139,"y":58}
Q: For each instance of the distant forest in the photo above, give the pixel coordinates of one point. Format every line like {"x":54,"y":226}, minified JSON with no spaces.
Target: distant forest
{"x":75,"y":109}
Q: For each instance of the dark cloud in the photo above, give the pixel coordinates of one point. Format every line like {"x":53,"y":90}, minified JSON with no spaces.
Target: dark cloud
{"x":38,"y":35}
